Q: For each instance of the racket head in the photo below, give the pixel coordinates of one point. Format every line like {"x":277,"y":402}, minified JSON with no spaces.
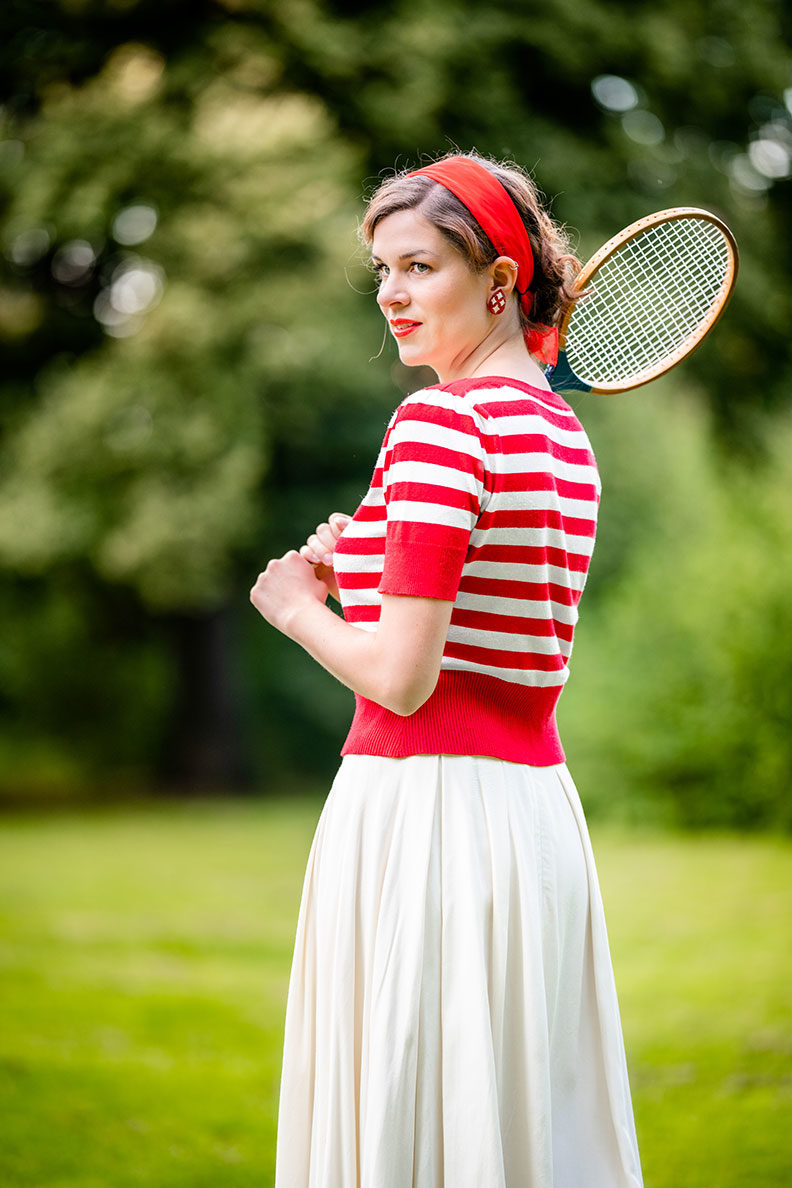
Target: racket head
{"x":652,"y":293}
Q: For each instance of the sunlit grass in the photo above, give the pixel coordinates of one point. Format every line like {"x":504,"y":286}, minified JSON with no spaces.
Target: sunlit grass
{"x":145,"y":957}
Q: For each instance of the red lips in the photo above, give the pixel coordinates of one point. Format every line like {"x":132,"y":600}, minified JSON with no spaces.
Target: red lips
{"x":401,"y":327}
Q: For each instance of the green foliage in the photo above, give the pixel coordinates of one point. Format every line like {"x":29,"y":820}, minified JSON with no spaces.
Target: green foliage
{"x":680,"y":693}
{"x":145,"y":455}
{"x":187,"y":386}
{"x":79,"y":696}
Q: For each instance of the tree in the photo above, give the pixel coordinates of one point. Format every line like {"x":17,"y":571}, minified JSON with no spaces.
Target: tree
{"x":177,"y":207}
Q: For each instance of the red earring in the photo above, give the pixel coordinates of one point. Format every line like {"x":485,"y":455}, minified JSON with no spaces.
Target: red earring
{"x":496,"y":303}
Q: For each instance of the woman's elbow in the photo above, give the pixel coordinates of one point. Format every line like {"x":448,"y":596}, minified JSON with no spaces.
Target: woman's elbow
{"x":405,"y":696}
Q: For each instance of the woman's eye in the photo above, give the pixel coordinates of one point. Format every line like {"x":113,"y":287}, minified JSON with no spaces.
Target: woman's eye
{"x":381,"y":271}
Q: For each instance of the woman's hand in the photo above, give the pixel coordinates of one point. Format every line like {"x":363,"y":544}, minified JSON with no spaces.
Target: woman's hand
{"x":287,"y":585}
{"x":397,"y":665}
{"x":319,"y":548}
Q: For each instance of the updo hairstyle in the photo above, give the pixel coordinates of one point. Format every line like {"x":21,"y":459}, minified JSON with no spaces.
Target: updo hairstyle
{"x":555,"y":267}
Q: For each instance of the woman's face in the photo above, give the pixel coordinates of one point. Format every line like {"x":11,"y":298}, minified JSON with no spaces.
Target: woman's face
{"x":434,"y":302}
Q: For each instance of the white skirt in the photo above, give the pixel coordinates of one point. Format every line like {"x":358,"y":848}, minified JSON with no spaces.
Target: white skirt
{"x":452,"y":1019}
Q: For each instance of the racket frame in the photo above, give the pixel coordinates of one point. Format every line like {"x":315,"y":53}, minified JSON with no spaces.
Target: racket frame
{"x":608,"y":250}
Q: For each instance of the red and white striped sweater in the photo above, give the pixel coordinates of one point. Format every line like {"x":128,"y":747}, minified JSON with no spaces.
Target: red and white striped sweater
{"x":485,"y":493}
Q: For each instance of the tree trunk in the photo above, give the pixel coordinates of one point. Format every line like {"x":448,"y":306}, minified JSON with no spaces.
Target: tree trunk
{"x":204,"y":749}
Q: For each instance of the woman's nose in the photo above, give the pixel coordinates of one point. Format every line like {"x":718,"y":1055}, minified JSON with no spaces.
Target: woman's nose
{"x":391,"y":292}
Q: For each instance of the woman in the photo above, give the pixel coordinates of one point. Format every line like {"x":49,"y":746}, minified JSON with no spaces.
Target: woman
{"x":452,"y":1020}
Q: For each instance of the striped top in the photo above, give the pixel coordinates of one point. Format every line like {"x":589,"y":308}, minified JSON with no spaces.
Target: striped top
{"x":485,"y":493}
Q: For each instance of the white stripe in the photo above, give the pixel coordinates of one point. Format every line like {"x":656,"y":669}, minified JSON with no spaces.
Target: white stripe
{"x":364,"y":528}
{"x":533,"y":423}
{"x":551,"y":538}
{"x":427,"y":433}
{"x":411,"y":511}
{"x":582,"y":509}
{"x":532,"y":463}
{"x":482,"y":603}
{"x":516,"y":676}
{"x":434,"y":473}
{"x":344,"y":563}
{"x":519,"y":607}
{"x":436,"y":398}
{"x":526,"y":573}
{"x":368,"y":596}
{"x":509,"y":641}
{"x":537,"y":463}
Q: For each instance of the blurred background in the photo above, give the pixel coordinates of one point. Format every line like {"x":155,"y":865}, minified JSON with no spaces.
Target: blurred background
{"x":193,"y":375}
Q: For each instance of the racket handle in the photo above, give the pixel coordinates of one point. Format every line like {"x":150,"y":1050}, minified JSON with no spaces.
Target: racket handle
{"x":562,"y":378}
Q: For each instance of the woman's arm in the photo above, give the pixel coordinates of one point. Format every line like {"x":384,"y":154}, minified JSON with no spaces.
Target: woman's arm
{"x":397,"y":666}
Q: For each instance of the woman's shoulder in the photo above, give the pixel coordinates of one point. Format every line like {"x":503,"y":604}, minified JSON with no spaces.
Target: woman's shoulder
{"x":443,"y":403}
{"x":438,"y":416}
{"x":489,"y":389}
{"x":483,"y":405}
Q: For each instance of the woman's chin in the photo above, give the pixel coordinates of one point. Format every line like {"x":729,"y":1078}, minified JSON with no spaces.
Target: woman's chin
{"x":412,"y":356}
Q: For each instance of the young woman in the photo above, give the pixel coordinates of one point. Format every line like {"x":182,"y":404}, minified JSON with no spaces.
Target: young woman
{"x":452,"y":1020}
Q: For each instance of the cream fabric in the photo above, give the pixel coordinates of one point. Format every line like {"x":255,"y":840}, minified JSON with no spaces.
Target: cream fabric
{"x":452,"y":1020}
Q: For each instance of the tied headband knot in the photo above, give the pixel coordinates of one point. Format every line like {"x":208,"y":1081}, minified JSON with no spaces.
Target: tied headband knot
{"x":493,"y":209}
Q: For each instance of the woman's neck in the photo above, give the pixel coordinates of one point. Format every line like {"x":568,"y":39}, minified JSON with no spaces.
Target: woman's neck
{"x":508,"y":358}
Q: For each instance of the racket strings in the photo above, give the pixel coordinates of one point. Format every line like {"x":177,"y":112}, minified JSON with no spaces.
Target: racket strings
{"x":648,"y":299}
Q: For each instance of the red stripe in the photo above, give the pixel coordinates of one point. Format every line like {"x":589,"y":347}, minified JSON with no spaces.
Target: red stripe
{"x":539,"y":517}
{"x":420,"y":451}
{"x":529,"y":407}
{"x":360,"y":546}
{"x":524,"y":661}
{"x":414,"y":492}
{"x":585,"y":491}
{"x":448,"y":418}
{"x":545,"y":480}
{"x":522,"y":481}
{"x":369,"y":512}
{"x":368,"y":580}
{"x":508,"y":588}
{"x":511,"y":624}
{"x":539,"y":443}
{"x":530,"y":555}
{"x":362,"y":614}
{"x":440,"y":535}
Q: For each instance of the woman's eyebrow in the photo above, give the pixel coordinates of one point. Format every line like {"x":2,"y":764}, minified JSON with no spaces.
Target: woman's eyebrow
{"x":407,"y":255}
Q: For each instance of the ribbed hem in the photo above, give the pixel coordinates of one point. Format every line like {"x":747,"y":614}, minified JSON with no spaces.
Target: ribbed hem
{"x":468,"y":714}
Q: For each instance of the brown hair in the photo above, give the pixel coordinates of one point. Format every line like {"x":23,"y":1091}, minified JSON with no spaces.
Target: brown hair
{"x":555,"y":267}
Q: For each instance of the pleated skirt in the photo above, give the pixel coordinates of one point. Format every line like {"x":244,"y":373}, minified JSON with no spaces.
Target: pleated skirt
{"x":452,"y":1019}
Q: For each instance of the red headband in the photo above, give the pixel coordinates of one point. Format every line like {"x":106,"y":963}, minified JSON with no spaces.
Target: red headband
{"x":493,"y":209}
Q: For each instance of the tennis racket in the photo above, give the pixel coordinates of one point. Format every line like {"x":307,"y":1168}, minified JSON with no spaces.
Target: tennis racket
{"x":652,"y":293}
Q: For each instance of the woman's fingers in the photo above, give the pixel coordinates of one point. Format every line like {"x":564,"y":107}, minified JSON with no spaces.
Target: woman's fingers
{"x":317,"y":550}
{"x":323,"y":543}
{"x":320,"y":546}
{"x":338,"y":522}
{"x":286,"y":585}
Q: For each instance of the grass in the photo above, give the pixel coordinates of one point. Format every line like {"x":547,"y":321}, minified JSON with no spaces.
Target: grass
{"x":145,"y":955}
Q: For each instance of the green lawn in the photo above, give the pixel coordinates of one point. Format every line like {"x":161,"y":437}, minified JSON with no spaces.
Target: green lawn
{"x":145,"y":956}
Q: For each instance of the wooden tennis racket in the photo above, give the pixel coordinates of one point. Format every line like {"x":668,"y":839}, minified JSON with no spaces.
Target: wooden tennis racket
{"x":652,"y":293}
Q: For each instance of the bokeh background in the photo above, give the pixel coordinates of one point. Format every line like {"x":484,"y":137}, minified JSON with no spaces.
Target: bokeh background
{"x":193,"y":375}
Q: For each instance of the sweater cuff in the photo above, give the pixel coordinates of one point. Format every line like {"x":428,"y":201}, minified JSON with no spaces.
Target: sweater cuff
{"x":423,"y":570}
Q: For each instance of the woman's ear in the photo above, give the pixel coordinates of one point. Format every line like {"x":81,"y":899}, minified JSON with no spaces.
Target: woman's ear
{"x":503,"y":274}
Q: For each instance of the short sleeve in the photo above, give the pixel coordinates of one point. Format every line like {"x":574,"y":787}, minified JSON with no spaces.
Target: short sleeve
{"x":433,"y":484}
